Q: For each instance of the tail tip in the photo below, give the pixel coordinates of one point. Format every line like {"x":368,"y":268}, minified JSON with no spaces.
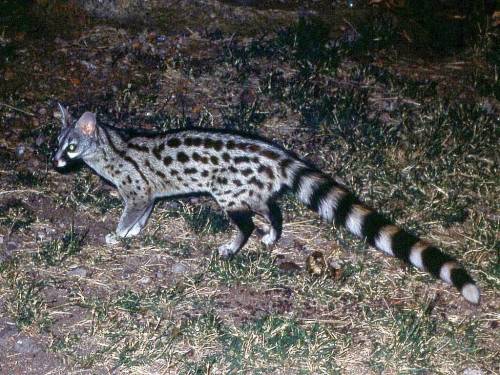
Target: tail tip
{"x":471,"y":293}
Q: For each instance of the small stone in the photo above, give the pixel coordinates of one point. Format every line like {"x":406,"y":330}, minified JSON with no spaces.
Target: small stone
{"x":39,"y":140}
{"x":26,"y":345}
{"x":145,"y":280}
{"x":179,"y":268}
{"x":78,"y":271}
{"x":161,"y":38}
{"x":20,"y":150}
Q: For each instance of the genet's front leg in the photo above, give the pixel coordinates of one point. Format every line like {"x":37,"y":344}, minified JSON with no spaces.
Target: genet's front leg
{"x":133,"y":219}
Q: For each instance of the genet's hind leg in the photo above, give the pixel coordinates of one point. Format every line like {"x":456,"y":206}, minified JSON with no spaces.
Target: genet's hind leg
{"x":272,"y":214}
{"x":245,"y":226}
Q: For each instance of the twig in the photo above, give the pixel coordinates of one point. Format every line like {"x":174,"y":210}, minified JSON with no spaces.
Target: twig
{"x":21,"y":191}
{"x":17,"y":109}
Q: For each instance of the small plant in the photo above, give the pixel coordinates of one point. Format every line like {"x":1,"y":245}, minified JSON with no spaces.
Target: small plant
{"x":54,"y":252}
{"x":27,"y":304}
{"x":16,"y":215}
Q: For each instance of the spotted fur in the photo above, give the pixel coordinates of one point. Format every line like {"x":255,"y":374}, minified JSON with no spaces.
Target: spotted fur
{"x":245,"y":175}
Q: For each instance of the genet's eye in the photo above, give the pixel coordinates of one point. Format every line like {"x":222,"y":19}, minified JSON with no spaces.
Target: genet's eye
{"x":72,"y":147}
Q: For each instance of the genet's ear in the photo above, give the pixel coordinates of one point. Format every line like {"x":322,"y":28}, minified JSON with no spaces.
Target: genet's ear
{"x":86,"y":124}
{"x":66,"y":118}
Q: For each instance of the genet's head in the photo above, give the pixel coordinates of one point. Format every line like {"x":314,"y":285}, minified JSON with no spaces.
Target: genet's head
{"x":76,"y":140}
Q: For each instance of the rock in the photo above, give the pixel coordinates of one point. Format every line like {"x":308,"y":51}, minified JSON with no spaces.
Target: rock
{"x":78,"y":271}
{"x":472,"y":371}
{"x":179,"y":268}
{"x":145,"y":280}
{"x":26,"y":345}
{"x":7,"y":332}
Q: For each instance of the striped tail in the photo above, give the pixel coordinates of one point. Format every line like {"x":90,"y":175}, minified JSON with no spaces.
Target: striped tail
{"x":334,"y":203}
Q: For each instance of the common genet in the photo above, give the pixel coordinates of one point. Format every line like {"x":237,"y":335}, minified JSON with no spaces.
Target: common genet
{"x":245,"y":175}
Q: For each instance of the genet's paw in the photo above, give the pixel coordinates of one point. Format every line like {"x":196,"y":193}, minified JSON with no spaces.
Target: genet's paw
{"x":269,"y":239}
{"x":226,"y":251}
{"x":112,"y":239}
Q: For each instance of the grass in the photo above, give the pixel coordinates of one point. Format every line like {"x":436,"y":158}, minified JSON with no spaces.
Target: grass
{"x":54,"y":252}
{"x":164,"y":302}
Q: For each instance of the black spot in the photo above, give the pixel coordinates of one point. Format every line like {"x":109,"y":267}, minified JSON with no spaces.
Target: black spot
{"x":196,"y":156}
{"x":237,"y":182}
{"x":254,"y":148}
{"x":402,"y":243}
{"x":173,"y":142}
{"x":270,"y":154}
{"x":250,"y":193}
{"x":208,"y":143}
{"x":204,"y":173}
{"x":217,"y":145}
{"x":238,"y":193}
{"x":182,"y":157}
{"x":433,"y":259}
{"x":174,"y":172}
{"x":247,"y":172}
{"x":188,"y":141}
{"x":158,"y":150}
{"x":233,"y":169}
{"x":161,"y":174}
{"x":190,"y":170}
{"x":231,"y":204}
{"x":230,"y":145}
{"x":222,"y":180}
{"x":214,"y":160}
{"x":256,"y":182}
{"x":372,"y":222}
{"x":226,"y":157}
{"x":197,"y":141}
{"x":136,"y":167}
{"x":242,"y":146}
{"x":167,"y":160}
{"x":284,"y":164}
{"x":267,"y":170}
{"x":241,"y":159}
{"x":138,"y":147}
{"x":204,"y":160}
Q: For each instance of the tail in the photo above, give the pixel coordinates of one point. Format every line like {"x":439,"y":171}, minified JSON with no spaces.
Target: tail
{"x":334,"y":203}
